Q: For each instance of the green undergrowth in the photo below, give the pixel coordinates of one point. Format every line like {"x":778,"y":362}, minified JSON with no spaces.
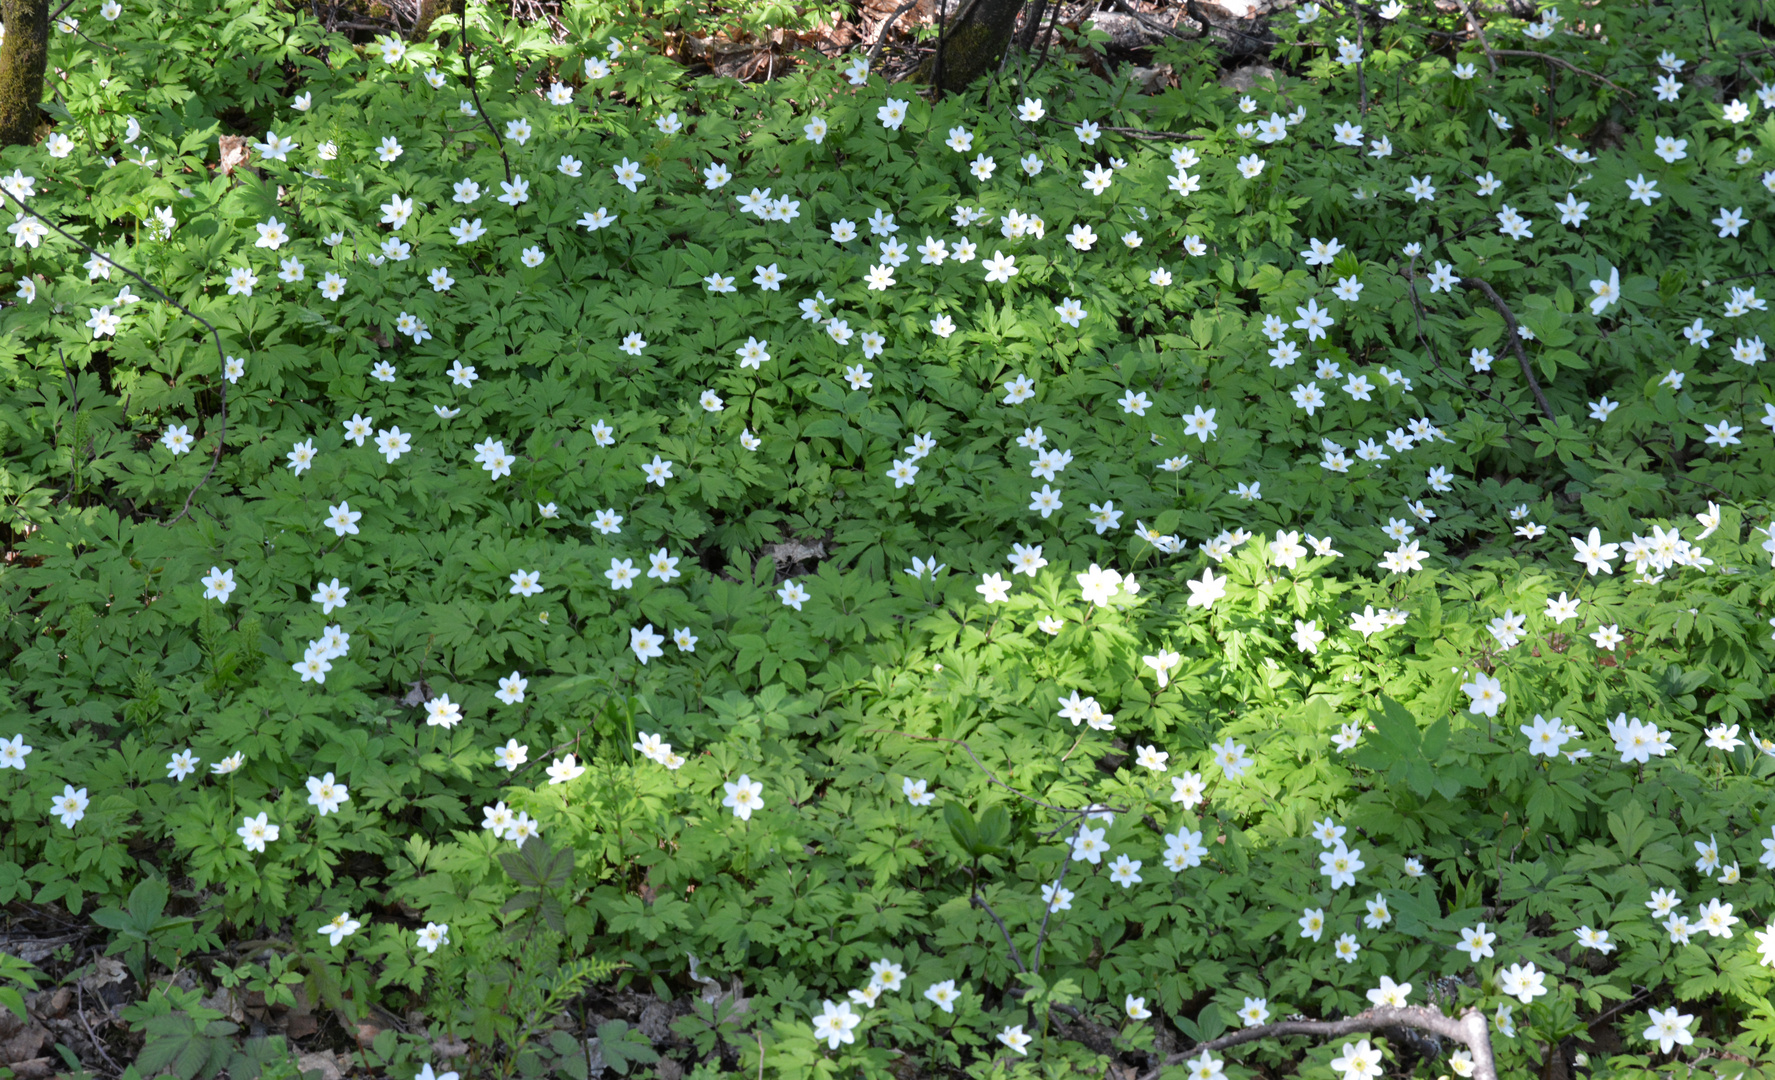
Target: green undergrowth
{"x":1335,"y":564}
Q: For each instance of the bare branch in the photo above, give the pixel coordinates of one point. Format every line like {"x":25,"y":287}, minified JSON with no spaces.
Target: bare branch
{"x":1568,"y":65}
{"x":1470,"y":1029}
{"x":1150,"y":24}
{"x":888,"y":24}
{"x":1143,"y":133}
{"x":221,"y":354}
{"x":980,"y":902}
{"x":1479,"y":31}
{"x":1515,"y":342}
{"x":989,"y":774}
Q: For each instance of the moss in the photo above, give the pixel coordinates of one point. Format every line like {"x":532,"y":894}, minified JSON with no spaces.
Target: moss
{"x":974,"y":47}
{"x":23,"y":59}
{"x":428,"y":11}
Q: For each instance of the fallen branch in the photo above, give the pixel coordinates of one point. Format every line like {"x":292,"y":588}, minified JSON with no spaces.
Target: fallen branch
{"x":980,"y":902}
{"x":1155,"y":26}
{"x":881,"y":38}
{"x":1194,"y":10}
{"x":1479,"y":32}
{"x":1470,"y":1029}
{"x":221,"y":354}
{"x":468,"y":68}
{"x":1417,"y":313}
{"x":1143,"y":133}
{"x":994,"y":779}
{"x":1568,"y":65}
{"x":1515,"y":342}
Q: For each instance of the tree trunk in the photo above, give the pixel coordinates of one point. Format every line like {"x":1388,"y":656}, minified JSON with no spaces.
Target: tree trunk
{"x":972,"y":44}
{"x":23,"y":59}
{"x":1033,"y":24}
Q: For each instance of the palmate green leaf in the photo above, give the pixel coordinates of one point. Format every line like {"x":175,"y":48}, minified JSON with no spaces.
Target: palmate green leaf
{"x":539,"y":865}
{"x":179,"y":1044}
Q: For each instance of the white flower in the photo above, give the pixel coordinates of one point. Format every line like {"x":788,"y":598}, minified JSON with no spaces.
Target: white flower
{"x":15,"y":752}
{"x":744,"y":796}
{"x":837,"y":1024}
{"x":342,"y":519}
{"x":1476,"y":942}
{"x":70,"y":805}
{"x":1669,"y":1028}
{"x":1205,"y":592}
{"x":1161,"y":665}
{"x":325,"y":794}
{"x":1390,"y":993}
{"x":1358,"y":1062}
{"x":1487,"y":695}
{"x":564,"y":770}
{"x":1642,"y":190}
{"x":432,"y":936}
{"x":1098,"y":585}
{"x":644,"y":641}
{"x":1232,"y":759}
{"x":1545,"y":736}
{"x":1523,"y":982}
{"x":1188,"y":789}
{"x":793,"y":594}
{"x":256,"y":832}
{"x":340,"y":927}
{"x":1125,"y":872}
{"x":1015,"y":1038}
{"x":1340,"y":865}
{"x":892,"y":114}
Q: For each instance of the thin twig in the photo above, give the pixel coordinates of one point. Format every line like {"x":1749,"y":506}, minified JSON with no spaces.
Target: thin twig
{"x":1047,"y":36}
{"x":1469,"y":1029}
{"x":221,"y":354}
{"x":1142,"y":133}
{"x":1361,"y":76}
{"x":1568,"y":65}
{"x":1194,"y":10}
{"x":1149,"y":23}
{"x":1629,"y":1003}
{"x":80,"y":1010}
{"x":990,"y":776}
{"x":1479,"y":31}
{"x":1417,"y":311}
{"x":888,"y":24}
{"x":1041,"y":935}
{"x":468,"y":75}
{"x":980,"y":902}
{"x":1515,"y":342}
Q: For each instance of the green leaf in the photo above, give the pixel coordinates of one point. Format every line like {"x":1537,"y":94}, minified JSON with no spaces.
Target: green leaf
{"x":994,"y":829}
{"x":538,"y":865}
{"x":622,"y":1046}
{"x":1630,"y":828}
{"x":963,"y":828}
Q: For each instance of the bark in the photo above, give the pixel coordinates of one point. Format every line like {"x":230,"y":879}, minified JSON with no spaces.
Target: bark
{"x":23,"y":60}
{"x":1469,"y":1029}
{"x":971,"y":45}
{"x":1031,"y":26}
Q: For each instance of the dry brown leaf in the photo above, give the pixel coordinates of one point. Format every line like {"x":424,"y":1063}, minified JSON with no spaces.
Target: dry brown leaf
{"x":325,"y":1061}
{"x":235,"y":153}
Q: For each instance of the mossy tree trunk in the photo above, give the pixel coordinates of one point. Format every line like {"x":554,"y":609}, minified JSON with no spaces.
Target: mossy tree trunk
{"x":972,"y":44}
{"x":23,"y":60}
